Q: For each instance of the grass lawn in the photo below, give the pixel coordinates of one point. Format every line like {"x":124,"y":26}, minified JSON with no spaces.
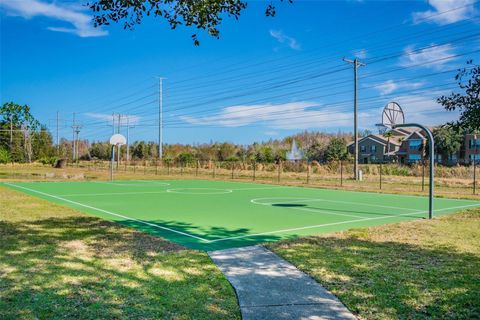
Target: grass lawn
{"x":409,"y":270}
{"x":58,"y":263}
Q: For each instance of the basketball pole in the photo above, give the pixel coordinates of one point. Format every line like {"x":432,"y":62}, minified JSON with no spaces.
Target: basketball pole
{"x":431,"y":161}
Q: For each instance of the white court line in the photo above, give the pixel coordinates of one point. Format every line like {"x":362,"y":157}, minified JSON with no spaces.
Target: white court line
{"x":108,"y":212}
{"x":134,"y":184}
{"x":337,"y":223}
{"x":325,"y":188}
{"x":108,"y":194}
{"x":326,"y":200}
{"x":270,"y":188}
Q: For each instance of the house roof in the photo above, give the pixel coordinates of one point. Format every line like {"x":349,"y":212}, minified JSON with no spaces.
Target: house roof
{"x":377,"y":138}
{"x":416,"y":135}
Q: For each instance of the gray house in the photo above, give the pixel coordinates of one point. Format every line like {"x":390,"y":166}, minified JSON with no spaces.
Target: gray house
{"x":375,"y":148}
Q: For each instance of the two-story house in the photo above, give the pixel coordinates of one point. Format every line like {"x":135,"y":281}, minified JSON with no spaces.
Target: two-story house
{"x":412,"y":147}
{"x":471,"y":149}
{"x":375,"y":148}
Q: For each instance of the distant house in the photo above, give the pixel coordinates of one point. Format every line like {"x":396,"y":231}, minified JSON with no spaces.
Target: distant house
{"x":471,"y":149}
{"x":412,"y":148}
{"x":375,"y":148}
{"x":405,"y":146}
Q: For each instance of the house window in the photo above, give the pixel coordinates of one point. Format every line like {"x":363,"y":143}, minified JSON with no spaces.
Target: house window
{"x":414,"y":143}
{"x":471,"y":143}
{"x":373,"y":148}
{"x":362,"y":148}
{"x":475,"y":156}
{"x":414,"y":157}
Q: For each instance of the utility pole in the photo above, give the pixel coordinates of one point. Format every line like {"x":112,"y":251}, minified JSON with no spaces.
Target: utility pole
{"x":76,"y":131}
{"x":58,"y":141}
{"x":11,"y":134}
{"x":160,"y":121}
{"x":113,"y":124}
{"x":128,"y":136}
{"x":356,"y":63}
{"x":118,"y":146}
{"x":73,"y":138}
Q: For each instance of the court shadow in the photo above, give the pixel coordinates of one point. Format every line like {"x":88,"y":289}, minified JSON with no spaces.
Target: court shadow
{"x":88,"y":268}
{"x":345,"y":211}
{"x":289,"y":205}
{"x":201,"y":238}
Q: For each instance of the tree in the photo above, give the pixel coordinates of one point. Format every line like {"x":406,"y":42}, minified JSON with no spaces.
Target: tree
{"x":388,"y":135}
{"x":448,"y":141}
{"x":202,"y":15}
{"x":468,"y":103}
{"x":336,"y":149}
{"x":101,"y":150}
{"x":315,"y":151}
{"x":17,"y":124}
{"x":186,"y":158}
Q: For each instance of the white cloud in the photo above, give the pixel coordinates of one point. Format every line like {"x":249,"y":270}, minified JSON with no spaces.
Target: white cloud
{"x":390,"y":86}
{"x":431,"y":57}
{"x":295,"y":115}
{"x":72,"y":14}
{"x":446,"y":11}
{"x":132,"y":120}
{"x":283,"y":38}
{"x":360,"y":53}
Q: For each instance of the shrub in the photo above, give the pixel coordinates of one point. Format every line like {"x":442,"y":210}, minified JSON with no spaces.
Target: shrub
{"x":48,"y":160}
{"x":4,"y":156}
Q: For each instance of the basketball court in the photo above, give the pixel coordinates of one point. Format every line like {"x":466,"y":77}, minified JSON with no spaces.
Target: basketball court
{"x":211,"y":215}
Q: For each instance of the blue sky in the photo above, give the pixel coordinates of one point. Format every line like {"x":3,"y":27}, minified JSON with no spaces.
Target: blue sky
{"x":264,"y":78}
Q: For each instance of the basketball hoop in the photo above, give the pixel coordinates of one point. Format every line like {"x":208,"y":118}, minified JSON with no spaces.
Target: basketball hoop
{"x":392,"y":115}
{"x":118,"y":140}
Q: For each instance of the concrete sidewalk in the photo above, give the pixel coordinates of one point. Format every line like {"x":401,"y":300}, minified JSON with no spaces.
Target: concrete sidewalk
{"x":269,"y":287}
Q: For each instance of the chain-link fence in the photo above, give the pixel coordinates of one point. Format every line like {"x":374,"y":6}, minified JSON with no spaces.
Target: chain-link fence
{"x":449,"y":181}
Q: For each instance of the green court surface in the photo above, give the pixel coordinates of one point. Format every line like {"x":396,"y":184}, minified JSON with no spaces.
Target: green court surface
{"x":212,"y":215}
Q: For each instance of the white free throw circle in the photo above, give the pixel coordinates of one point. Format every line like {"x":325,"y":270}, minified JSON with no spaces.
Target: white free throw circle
{"x":200,"y":191}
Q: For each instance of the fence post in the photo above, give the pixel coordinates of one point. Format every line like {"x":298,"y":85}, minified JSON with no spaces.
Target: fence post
{"x":380,"y":176}
{"x":308,"y":172}
{"x":233,"y":168}
{"x":156,"y":167}
{"x":279,"y":170}
{"x":181,"y":168}
{"x":168,"y":168}
{"x":213,"y":171}
{"x":341,"y":173}
{"x":474,"y":173}
{"x":196,"y":170}
{"x":423,"y":176}
{"x":254,"y":169}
